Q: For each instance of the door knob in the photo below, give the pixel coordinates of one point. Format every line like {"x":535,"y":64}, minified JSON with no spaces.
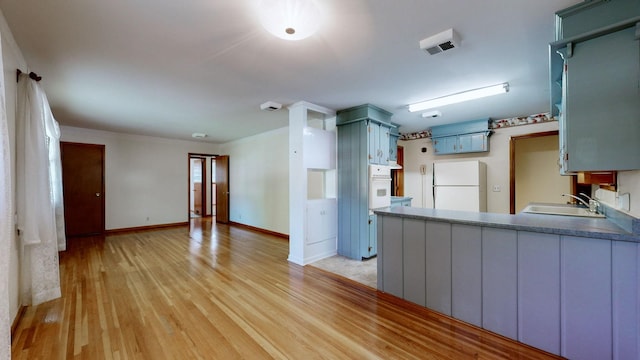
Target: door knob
{"x":97,"y":194}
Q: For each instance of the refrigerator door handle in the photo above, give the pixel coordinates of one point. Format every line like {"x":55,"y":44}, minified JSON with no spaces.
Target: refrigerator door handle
{"x":433,"y":186}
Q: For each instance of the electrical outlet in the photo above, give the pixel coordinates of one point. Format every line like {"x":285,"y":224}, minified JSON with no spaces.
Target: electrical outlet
{"x":496,"y":188}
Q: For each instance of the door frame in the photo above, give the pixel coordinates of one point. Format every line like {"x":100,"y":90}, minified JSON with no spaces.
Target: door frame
{"x":202,"y":157}
{"x":512,"y":165}
{"x":222,"y":191}
{"x":203,"y":191}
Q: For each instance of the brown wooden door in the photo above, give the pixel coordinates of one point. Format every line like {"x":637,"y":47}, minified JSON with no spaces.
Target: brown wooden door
{"x":83,"y":188}
{"x":222,"y":189}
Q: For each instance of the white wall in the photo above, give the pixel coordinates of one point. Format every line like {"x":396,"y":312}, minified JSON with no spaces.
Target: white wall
{"x":259,"y":180}
{"x":146,"y":178}
{"x":629,"y":182}
{"x":12,"y":59}
{"x":497,"y":159}
{"x":536,"y":172}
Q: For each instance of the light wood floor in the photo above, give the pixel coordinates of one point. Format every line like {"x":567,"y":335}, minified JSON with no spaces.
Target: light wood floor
{"x":230,"y":294}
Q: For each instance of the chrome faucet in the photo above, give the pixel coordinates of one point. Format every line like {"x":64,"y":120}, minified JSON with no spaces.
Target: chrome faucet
{"x":577,"y":198}
{"x":593,"y":203}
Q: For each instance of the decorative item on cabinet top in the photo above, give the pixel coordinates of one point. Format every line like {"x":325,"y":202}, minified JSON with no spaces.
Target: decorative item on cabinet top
{"x":493,"y":124}
{"x":464,"y":137}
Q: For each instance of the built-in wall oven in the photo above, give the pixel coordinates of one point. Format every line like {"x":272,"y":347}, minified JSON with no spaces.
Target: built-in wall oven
{"x":379,"y":186}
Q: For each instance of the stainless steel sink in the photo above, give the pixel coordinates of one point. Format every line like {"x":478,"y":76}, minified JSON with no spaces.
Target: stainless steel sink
{"x":560,"y":209}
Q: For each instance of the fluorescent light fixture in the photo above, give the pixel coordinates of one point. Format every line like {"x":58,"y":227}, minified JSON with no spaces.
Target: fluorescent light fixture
{"x":460,"y":97}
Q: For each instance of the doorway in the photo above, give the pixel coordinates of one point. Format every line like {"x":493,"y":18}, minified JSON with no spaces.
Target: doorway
{"x":397,"y":175}
{"x":208,"y":186}
{"x":534,"y":170}
{"x":197,"y":192}
{"x":83,"y":188}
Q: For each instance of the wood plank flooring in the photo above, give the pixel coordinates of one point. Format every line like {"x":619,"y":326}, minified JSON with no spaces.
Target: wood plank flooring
{"x":230,"y":294}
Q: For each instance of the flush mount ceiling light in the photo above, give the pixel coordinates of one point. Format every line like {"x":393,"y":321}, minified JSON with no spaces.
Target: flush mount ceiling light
{"x":290,"y":19}
{"x":432,"y":114}
{"x":460,"y":97}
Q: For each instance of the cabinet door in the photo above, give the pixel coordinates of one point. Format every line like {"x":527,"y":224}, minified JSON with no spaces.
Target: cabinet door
{"x":466,"y":273}
{"x":438,"y":266}
{"x":500,"y":281}
{"x":539,"y":290}
{"x":602,"y":104}
{"x":393,"y":148}
{"x":321,"y":220}
{"x":445,"y":145}
{"x":383,"y":145}
{"x":585,"y":305}
{"x":373,"y":133}
{"x":472,"y":143}
{"x":414,"y":274}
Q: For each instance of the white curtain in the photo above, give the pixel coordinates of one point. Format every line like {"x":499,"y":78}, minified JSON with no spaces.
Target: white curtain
{"x":6,"y":225}
{"x":37,"y":143}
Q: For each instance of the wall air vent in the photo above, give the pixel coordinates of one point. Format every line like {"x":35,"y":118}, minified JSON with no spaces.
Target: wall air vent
{"x":440,"y":42}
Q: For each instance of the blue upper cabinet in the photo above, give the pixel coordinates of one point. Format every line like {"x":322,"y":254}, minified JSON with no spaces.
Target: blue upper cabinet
{"x":394,"y":135}
{"x":378,"y":143}
{"x":466,"y":137}
{"x":379,"y":126}
{"x":592,"y":15}
{"x":595,"y":72}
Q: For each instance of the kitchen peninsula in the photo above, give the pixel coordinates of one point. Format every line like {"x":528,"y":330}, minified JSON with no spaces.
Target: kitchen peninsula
{"x":567,"y":285}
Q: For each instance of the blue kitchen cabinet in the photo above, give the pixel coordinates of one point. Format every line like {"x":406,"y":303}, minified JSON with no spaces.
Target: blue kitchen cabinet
{"x":378,"y":143}
{"x":466,"y":137}
{"x":363,"y":139}
{"x":595,"y":94}
{"x":394,"y":135}
{"x":592,"y":15}
{"x":445,"y":145}
{"x":401,"y":201}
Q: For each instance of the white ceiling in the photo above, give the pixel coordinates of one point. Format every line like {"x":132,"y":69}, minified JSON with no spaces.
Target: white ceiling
{"x":171,"y":68}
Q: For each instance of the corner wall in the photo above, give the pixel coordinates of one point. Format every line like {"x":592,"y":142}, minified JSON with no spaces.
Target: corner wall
{"x":259,"y":180}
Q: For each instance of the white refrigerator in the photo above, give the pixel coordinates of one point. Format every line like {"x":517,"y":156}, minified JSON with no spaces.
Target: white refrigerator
{"x":460,"y":185}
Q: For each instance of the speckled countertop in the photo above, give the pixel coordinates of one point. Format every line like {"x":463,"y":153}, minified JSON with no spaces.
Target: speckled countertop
{"x":597,"y":228}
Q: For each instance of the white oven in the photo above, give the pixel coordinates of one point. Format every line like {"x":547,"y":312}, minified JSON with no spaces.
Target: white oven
{"x":379,"y":186}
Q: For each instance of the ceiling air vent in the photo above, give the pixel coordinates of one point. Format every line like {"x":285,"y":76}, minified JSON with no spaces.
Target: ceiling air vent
{"x":270,"y":106}
{"x":438,"y":43}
